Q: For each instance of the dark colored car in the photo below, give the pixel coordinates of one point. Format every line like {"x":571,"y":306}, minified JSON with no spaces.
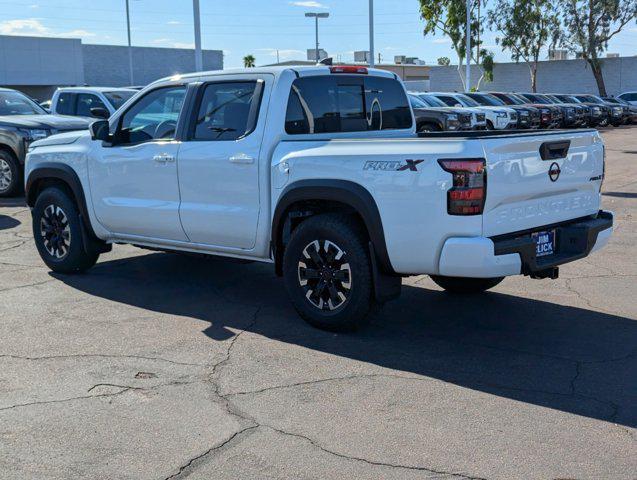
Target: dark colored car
{"x":551,"y":119}
{"x":581,"y":111}
{"x":592,"y":115}
{"x":433,"y":119}
{"x":23,"y":121}
{"x":524,"y":113}
{"x":568,"y":111}
{"x":630,"y":111}
{"x":610,"y":115}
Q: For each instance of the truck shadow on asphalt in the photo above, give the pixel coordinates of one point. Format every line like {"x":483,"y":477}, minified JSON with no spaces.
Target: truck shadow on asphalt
{"x":565,"y":358}
{"x":7,"y":223}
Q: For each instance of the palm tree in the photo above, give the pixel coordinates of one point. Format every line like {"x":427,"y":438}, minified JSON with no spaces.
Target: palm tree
{"x":248,"y":61}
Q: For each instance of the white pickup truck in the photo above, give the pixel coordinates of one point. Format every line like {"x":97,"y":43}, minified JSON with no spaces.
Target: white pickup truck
{"x":319,"y":171}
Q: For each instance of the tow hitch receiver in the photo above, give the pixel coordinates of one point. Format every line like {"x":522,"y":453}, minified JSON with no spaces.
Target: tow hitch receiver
{"x":553,"y":273}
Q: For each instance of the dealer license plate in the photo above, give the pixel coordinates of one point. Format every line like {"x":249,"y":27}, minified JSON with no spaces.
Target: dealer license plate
{"x":544,"y":243}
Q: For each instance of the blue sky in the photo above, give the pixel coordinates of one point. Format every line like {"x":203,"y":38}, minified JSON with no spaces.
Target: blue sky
{"x":240,"y":27}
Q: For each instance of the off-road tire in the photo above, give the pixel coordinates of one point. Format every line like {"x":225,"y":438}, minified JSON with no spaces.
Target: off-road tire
{"x":63,"y":251}
{"x":344,"y":234}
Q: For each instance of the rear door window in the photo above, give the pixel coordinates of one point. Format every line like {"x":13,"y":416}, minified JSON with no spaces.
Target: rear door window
{"x":346,"y":103}
{"x":224,"y":111}
{"x":66,"y":103}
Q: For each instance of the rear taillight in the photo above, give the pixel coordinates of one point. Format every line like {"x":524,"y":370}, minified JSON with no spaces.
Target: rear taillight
{"x":469,"y":190}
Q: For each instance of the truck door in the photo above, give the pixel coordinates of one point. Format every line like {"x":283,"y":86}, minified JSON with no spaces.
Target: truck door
{"x":134,"y":181}
{"x":219,"y":162}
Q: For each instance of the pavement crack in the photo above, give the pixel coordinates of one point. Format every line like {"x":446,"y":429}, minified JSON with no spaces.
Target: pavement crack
{"x":190,"y":466}
{"x":315,"y":444}
{"x":98,"y":355}
{"x":34,"y":284}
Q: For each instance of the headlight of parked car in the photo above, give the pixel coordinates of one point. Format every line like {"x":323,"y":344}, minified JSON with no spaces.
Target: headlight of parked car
{"x":452,"y":116}
{"x":33,"y":134}
{"x":597,"y":110}
{"x":502,"y":114}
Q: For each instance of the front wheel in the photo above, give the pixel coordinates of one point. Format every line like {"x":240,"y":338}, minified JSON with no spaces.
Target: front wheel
{"x":466,"y":284}
{"x":327,"y":272}
{"x":10,"y":175}
{"x":58,"y":234}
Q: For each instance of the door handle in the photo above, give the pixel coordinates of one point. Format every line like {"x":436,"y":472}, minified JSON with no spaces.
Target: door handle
{"x":163,"y":158}
{"x":241,"y":158}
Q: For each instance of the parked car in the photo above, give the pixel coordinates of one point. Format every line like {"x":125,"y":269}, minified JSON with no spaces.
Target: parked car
{"x":432,"y":119}
{"x":498,"y":118}
{"x":486,"y":100}
{"x":580,"y":116}
{"x":568,"y":115}
{"x":629,"y":111}
{"x":594,"y":115}
{"x":23,"y":121}
{"x":89,"y":102}
{"x":610,"y":114}
{"x":318,"y":170}
{"x":478,"y":118}
{"x":630,"y":97}
{"x":537,"y":116}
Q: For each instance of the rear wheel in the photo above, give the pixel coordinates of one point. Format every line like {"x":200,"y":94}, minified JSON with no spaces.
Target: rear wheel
{"x":428,"y":127}
{"x":465,"y":284}
{"x":58,"y":234}
{"x":10,"y":175}
{"x":327,"y":272}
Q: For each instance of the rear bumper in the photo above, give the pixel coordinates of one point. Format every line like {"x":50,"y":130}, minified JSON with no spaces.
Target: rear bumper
{"x":514,"y":254}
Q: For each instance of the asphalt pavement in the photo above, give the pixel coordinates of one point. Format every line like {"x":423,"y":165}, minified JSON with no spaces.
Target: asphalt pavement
{"x":156,"y":366}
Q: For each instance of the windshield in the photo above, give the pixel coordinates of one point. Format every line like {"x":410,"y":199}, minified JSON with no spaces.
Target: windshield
{"x":590,"y":98}
{"x":537,"y":98}
{"x":467,"y":102}
{"x":612,"y":100}
{"x":487,"y":100}
{"x":16,"y":103}
{"x":117,"y":99}
{"x":417,"y":102}
{"x":554,"y":99}
{"x":432,"y":101}
{"x":508,"y":99}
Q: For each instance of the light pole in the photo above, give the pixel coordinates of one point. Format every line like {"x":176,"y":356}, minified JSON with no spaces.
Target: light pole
{"x":316,"y":17}
{"x":130,"y":48}
{"x":371,"y":33}
{"x":197,"y":21}
{"x":467,"y":86}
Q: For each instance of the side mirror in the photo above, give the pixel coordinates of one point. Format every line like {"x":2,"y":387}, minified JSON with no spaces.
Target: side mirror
{"x":100,"y":112}
{"x":459,"y":105}
{"x":100,"y":130}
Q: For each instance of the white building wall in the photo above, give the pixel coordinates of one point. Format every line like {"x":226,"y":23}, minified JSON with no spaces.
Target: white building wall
{"x":559,"y":76}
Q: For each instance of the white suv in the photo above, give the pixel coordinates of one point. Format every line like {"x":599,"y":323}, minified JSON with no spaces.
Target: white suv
{"x":498,"y":118}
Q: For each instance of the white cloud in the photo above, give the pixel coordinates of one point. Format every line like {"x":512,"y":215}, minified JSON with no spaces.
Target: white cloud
{"x":34,"y":27}
{"x":174,"y":22}
{"x":442,"y":40}
{"x":284,"y":54}
{"x":309,"y":4}
{"x":182,"y":45}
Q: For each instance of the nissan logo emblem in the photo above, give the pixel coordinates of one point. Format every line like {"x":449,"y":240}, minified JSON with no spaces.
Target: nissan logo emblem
{"x":554,"y":172}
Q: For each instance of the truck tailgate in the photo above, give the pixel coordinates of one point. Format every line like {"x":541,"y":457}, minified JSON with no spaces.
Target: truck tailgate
{"x":521,"y":194}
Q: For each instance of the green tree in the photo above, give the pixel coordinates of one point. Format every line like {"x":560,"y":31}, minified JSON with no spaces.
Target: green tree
{"x":444,"y":61}
{"x":449,"y":17}
{"x":487,"y":65}
{"x":590,"y":24}
{"x":248,"y":61}
{"x":526,"y":27}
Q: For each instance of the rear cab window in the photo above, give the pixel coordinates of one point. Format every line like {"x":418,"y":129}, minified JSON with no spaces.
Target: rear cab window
{"x":346,"y":103}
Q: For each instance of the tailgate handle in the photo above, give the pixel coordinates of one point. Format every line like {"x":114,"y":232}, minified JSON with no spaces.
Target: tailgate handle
{"x":554,"y":150}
